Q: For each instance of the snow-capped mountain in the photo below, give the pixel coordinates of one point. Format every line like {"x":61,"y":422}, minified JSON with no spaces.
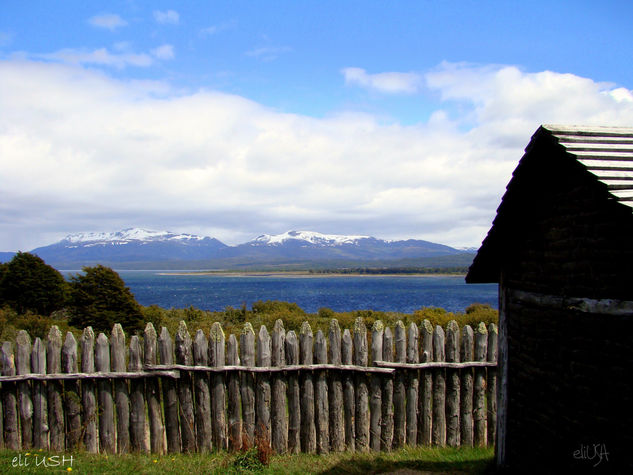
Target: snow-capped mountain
{"x":309,"y":237}
{"x":129,"y":235}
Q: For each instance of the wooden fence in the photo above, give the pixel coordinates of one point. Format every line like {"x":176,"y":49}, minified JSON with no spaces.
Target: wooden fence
{"x":354,"y":390}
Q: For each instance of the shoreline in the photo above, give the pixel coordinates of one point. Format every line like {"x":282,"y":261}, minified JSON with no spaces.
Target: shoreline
{"x":301,"y":274}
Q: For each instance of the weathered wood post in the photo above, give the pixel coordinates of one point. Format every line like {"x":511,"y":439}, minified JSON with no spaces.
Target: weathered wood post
{"x":468,"y":341}
{"x":479,"y":410}
{"x":439,"y":389}
{"x":152,"y":388}
{"x":425,"y":428}
{"x":386,"y":429}
{"x":55,"y":402}
{"x":399,"y":390}
{"x":452,"y":386}
{"x":202,"y":391}
{"x":218,"y":391}
{"x":493,"y":333}
{"x":279,"y":420}
{"x":262,"y":395}
{"x":247,"y":384}
{"x":121,"y":396}
{"x":412,"y":391}
{"x":10,"y":399}
{"x":335,"y":390}
{"x":375,"y":398}
{"x":106,"y":400}
{"x":308,"y":428}
{"x":294,"y":405}
{"x":362,"y":392}
{"x":25,"y":401}
{"x":322,"y":410}
{"x":184,"y":356}
{"x":137,"y":399}
{"x":89,"y":391}
{"x":349,"y":398}
{"x":72,"y":401}
{"x":40,"y":406}
{"x":234,"y":403}
{"x":170,"y":393}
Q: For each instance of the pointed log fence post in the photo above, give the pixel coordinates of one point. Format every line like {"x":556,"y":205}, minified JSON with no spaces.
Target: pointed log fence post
{"x":439,"y":389}
{"x":138,"y":439}
{"x":25,"y":401}
{"x":40,"y":403}
{"x":262,"y":395}
{"x":413,"y":356}
{"x":386,"y":430}
{"x":335,"y":390}
{"x":121,"y":395}
{"x":425,"y":429}
{"x":452,"y":386}
{"x":234,"y":401}
{"x":9,"y":399}
{"x":322,"y":410}
{"x":184,"y":356}
{"x":493,"y":333}
{"x":468,"y":341}
{"x":308,"y":428}
{"x":247,"y":385}
{"x":170,"y":393}
{"x":152,"y":393}
{"x":55,"y":391}
{"x":106,"y":401}
{"x":362,"y":391}
{"x":399,"y":391}
{"x":375,"y":399}
{"x":72,"y":401}
{"x":349,"y":398}
{"x":479,"y":409}
{"x":89,"y":391}
{"x":279,"y":420}
{"x":202,"y":392}
{"x":292,"y":392}
{"x":218,"y":394}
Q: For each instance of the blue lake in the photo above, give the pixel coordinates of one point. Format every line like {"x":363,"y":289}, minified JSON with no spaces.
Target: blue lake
{"x":340,"y":293}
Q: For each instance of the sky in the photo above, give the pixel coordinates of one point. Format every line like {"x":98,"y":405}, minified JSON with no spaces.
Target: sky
{"x":397,"y":120}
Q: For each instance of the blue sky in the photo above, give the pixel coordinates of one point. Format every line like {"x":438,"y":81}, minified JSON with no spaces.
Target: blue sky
{"x":393,"y":119}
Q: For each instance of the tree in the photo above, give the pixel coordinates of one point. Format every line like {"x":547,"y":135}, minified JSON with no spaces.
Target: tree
{"x":27,"y":283}
{"x":99,"y":298}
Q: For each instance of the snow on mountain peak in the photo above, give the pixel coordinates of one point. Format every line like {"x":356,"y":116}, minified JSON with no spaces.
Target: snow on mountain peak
{"x":130,"y":234}
{"x":309,"y":237}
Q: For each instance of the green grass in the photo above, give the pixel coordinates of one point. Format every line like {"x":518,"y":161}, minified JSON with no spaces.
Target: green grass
{"x":425,"y":460}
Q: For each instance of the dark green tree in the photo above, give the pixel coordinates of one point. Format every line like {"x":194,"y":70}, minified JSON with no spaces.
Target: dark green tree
{"x":99,"y":298}
{"x":27,"y":283}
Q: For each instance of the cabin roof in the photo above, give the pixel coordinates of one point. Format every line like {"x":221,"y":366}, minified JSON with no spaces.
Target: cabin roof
{"x":605,"y":153}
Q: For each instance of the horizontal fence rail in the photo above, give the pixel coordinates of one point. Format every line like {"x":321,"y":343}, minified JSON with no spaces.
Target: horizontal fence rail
{"x":352,"y":390}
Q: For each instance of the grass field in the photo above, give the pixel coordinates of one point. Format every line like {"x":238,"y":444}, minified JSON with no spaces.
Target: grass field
{"x":406,"y":461}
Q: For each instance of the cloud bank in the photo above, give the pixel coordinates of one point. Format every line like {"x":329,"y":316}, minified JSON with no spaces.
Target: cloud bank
{"x":81,"y":151}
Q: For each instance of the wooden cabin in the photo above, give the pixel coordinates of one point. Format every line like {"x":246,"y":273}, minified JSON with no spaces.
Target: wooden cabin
{"x":561,"y":250}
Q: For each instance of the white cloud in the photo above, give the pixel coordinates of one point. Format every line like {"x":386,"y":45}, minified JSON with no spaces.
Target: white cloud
{"x":109,"y":21}
{"x":101,"y":57}
{"x":390,"y":83}
{"x":164,"y":52}
{"x":168,"y":17}
{"x":268,"y":53}
{"x":82,"y":151}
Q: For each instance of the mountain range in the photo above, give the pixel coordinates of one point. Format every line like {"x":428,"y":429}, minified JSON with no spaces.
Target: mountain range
{"x":142,"y":249}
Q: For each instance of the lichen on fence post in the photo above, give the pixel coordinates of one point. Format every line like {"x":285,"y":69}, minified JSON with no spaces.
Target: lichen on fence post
{"x":121,"y":396}
{"x":234,"y":400}
{"x":10,"y":399}
{"x":308,"y":428}
{"x":375,"y":399}
{"x":137,"y":399}
{"x":89,"y":391}
{"x":467,"y":388}
{"x":349,"y":399}
{"x":106,"y":401}
{"x":386,"y":430}
{"x":321,"y":394}
{"x":72,"y":402}
{"x":40,"y":401}
{"x":335,"y":390}
{"x":184,"y":356}
{"x":279,"y":420}
{"x":25,"y":401}
{"x":152,"y":388}
{"x":170,"y":394}
{"x":479,"y":410}
{"x":362,"y":391}
{"x":452,"y":386}
{"x":262,"y":395}
{"x":425,"y":424}
{"x":292,"y":391}
{"x":247,"y":383}
{"x":439,"y":389}
{"x":399,"y":390}
{"x":413,"y":380}
{"x":218,"y":393}
{"x":202,"y":392}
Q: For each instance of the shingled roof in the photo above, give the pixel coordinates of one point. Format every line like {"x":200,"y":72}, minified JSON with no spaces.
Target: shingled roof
{"x":604,"y":153}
